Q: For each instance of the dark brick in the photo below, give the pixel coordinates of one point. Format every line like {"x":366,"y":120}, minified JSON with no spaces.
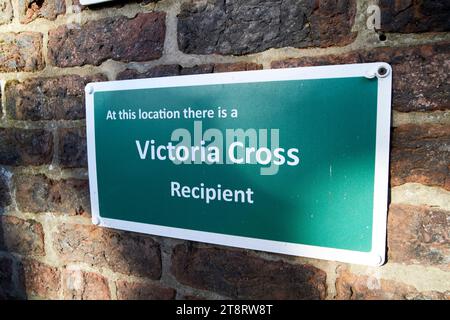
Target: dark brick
{"x":58,"y":98}
{"x":138,"y":39}
{"x":6,"y":11}
{"x":72,"y":147}
{"x":37,"y":193}
{"x":25,"y":237}
{"x":175,"y":69}
{"x":421,"y":153}
{"x":25,"y":147}
{"x":158,"y":71}
{"x":30,"y":10}
{"x":21,"y":52}
{"x":419,"y":235}
{"x":411,"y":16}
{"x":237,"y":274}
{"x":124,"y":252}
{"x":420,"y":74}
{"x":242,"y":27}
{"x":350,"y":286}
{"x":143,"y":291}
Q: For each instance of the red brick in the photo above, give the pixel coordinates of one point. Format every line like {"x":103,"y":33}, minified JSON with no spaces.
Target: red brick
{"x":81,"y":285}
{"x":137,"y":39}
{"x":143,"y":291}
{"x":21,"y":52}
{"x":356,"y":287}
{"x":41,"y":280}
{"x":123,"y":252}
{"x":38,"y":193}
{"x":25,"y":237}
{"x":30,"y":10}
{"x":419,"y":235}
{"x":421,"y":153}
{"x":25,"y":147}
{"x":237,"y":274}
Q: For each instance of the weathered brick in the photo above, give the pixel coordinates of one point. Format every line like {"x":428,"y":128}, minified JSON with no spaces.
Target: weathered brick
{"x":21,"y":52}
{"x":72,"y":147}
{"x":421,"y":74}
{"x":143,"y":291}
{"x":236,"y":274}
{"x":363,"y":287}
{"x":419,"y":235}
{"x":57,"y":98}
{"x":242,"y":27}
{"x":421,"y":154}
{"x":175,"y":70}
{"x":38,"y":193}
{"x":30,"y":10}
{"x":41,"y":280}
{"x":81,"y":285}
{"x":6,"y":11}
{"x":138,"y":39}
{"x":25,"y":147}
{"x":124,"y":252}
{"x":25,"y":237}
{"x":408,"y":16}
{"x":158,"y":71}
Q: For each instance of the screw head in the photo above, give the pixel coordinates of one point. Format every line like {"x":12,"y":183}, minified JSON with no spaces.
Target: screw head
{"x":96,"y":221}
{"x":89,"y":89}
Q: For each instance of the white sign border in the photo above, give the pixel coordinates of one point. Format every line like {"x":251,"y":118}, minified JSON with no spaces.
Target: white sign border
{"x":375,"y":257}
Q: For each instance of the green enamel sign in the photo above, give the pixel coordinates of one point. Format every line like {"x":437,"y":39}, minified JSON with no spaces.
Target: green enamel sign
{"x":292,"y":160}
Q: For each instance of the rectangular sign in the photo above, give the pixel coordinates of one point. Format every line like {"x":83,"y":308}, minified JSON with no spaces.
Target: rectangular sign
{"x":293,"y":161}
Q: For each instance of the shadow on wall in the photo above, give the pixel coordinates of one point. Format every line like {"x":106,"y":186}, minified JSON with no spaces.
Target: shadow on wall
{"x":12,"y":285}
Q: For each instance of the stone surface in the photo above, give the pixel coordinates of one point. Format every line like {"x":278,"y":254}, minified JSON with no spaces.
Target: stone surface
{"x":123,"y":252}
{"x":138,"y":39}
{"x":356,"y":287}
{"x":419,"y":235}
{"x":56,"y":98}
{"x":21,"y":52}
{"x":421,"y":154}
{"x":30,"y":10}
{"x":237,"y":274}
{"x":143,"y":291}
{"x":421,"y":80}
{"x":41,"y":280}
{"x":409,"y":16}
{"x":25,"y":237}
{"x":5,"y":194}
{"x":72,"y":147}
{"x":175,"y":70}
{"x":81,"y":285}
{"x":23,"y":147}
{"x":37,"y":193}
{"x":6,"y":11}
{"x":242,"y":27}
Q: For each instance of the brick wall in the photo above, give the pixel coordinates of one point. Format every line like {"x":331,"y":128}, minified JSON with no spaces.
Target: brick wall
{"x":50,"y":49}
